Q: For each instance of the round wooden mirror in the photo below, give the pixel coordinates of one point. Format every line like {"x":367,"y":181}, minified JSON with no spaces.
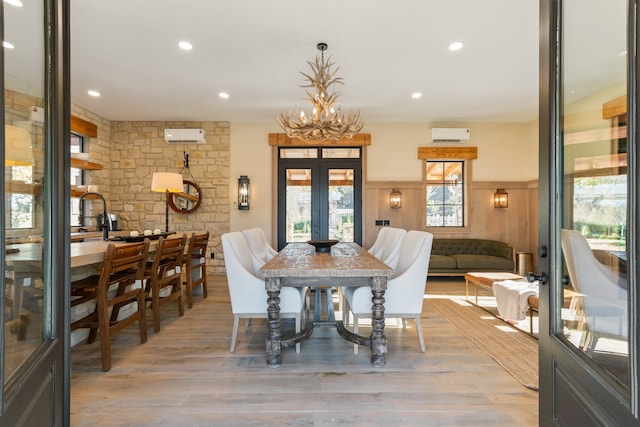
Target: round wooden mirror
{"x":187,"y":201}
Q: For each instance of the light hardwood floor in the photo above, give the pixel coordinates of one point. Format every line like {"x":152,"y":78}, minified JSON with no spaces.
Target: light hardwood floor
{"x":186,"y":376}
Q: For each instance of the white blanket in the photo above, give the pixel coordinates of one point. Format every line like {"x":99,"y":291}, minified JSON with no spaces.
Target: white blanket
{"x":511,"y":298}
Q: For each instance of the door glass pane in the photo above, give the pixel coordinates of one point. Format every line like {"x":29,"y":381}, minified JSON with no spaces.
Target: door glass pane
{"x":23,"y":184}
{"x":340,"y":153}
{"x":298,"y":205}
{"x":298,"y":153}
{"x":341,"y":203}
{"x":594,"y":316}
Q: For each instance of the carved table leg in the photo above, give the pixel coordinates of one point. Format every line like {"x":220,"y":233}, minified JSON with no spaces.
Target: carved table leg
{"x":378,"y":339}
{"x":272,"y":341}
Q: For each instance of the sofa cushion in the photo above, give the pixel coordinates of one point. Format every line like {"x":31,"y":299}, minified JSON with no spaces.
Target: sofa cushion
{"x":482,"y":262}
{"x":441,"y":262}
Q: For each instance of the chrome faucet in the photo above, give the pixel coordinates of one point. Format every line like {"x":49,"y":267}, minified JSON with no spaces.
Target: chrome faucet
{"x":105,"y":224}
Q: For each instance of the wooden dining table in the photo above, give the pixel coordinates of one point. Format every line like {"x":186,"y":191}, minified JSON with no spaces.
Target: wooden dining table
{"x":347,"y":264}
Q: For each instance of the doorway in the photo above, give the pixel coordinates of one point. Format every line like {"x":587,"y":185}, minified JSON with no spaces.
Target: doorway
{"x":319,"y":194}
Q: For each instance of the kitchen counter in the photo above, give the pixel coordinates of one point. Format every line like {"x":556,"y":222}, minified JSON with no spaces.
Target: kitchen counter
{"x":84,"y":235}
{"x":86,"y":249}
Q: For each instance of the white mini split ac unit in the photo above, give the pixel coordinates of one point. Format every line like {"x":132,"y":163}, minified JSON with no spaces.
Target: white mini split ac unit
{"x":460,"y":135}
{"x":36,"y":115}
{"x":184,"y":136}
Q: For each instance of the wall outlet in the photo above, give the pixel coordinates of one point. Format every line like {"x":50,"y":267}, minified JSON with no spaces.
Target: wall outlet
{"x":379,"y":222}
{"x":213,"y":255}
{"x":386,"y":222}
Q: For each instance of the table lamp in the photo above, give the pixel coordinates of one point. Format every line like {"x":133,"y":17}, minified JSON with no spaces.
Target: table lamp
{"x":167,"y":182}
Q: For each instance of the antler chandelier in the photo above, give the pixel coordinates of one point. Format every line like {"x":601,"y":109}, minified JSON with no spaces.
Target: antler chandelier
{"x":325,"y":121}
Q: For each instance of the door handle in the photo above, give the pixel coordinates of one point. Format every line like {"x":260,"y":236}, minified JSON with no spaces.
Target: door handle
{"x":542,"y":278}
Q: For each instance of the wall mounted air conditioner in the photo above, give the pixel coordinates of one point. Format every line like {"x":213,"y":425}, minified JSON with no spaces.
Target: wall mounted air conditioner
{"x":460,"y":135}
{"x":184,"y":136}
{"x":36,"y":115}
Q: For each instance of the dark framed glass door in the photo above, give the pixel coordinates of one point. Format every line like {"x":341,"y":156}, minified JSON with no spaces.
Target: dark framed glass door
{"x":319,"y":194}
{"x":589,"y":214}
{"x":34,"y":368}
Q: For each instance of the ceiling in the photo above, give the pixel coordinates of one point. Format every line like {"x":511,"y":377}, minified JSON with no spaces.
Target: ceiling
{"x":255,"y":50}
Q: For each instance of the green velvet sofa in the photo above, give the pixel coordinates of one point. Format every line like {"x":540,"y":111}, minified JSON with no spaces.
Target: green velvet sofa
{"x":456,"y":257}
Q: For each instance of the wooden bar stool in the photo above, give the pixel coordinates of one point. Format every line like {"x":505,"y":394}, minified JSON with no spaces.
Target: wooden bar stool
{"x":195,"y":265}
{"x":123,"y":265}
{"x":164,"y":282}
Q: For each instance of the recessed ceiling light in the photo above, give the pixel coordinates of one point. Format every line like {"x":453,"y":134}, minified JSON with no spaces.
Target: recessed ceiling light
{"x":416,"y":95}
{"x":16,"y":3}
{"x":94,"y":93}
{"x":455,"y":46}
{"x":185,"y":45}
{"x":7,"y":45}
{"x":223,"y":95}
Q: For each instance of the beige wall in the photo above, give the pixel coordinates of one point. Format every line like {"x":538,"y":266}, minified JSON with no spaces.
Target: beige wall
{"x":506,"y":151}
{"x":132,"y":151}
{"x":507,"y":157}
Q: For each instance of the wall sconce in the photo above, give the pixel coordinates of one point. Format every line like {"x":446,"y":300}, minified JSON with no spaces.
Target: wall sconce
{"x":167,"y":182}
{"x":243,"y":193}
{"x":395,"y":199}
{"x":501,"y":198}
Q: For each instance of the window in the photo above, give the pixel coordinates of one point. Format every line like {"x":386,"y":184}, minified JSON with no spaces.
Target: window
{"x":446,"y":175}
{"x":20,"y":209}
{"x":77,"y":178}
{"x":445,"y":193}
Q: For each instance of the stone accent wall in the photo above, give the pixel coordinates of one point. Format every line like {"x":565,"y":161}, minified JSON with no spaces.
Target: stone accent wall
{"x":138,"y":149}
{"x":131,"y":152}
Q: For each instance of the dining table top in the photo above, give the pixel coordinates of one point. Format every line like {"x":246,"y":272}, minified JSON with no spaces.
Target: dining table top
{"x":300,"y":260}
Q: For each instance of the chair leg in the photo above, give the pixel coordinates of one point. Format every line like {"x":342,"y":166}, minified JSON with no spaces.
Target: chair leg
{"x":177,"y":288}
{"x":234,"y":334}
{"x":155,"y":309}
{"x":189,"y":294}
{"x":104,"y":330}
{"x":298,"y":320}
{"x":142,"y":318}
{"x":419,"y":330}
{"x":355,"y":331}
{"x":204,"y":285}
{"x":345,"y":313}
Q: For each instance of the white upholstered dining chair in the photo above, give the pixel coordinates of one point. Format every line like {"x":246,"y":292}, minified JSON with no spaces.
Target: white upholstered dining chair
{"x":247,"y":291}
{"x":405,"y":291}
{"x":261,"y":251}
{"x":604,"y":293}
{"x":388,"y":249}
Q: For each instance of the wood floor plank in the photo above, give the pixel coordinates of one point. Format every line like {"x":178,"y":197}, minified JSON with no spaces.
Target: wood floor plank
{"x":185,"y":375}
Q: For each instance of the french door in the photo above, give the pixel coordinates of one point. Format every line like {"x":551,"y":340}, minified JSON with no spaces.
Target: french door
{"x":319,"y":194}
{"x":34,"y":242}
{"x":589,"y":213}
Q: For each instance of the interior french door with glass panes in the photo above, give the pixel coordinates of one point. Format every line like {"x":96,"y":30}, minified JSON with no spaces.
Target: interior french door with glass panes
{"x":319,"y":194}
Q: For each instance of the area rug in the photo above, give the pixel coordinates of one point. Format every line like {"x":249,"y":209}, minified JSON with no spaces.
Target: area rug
{"x":515,"y":351}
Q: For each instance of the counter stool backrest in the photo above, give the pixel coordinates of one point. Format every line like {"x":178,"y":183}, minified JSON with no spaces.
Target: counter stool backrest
{"x":165,"y":274}
{"x":195,"y":265}
{"x":123,"y":265}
